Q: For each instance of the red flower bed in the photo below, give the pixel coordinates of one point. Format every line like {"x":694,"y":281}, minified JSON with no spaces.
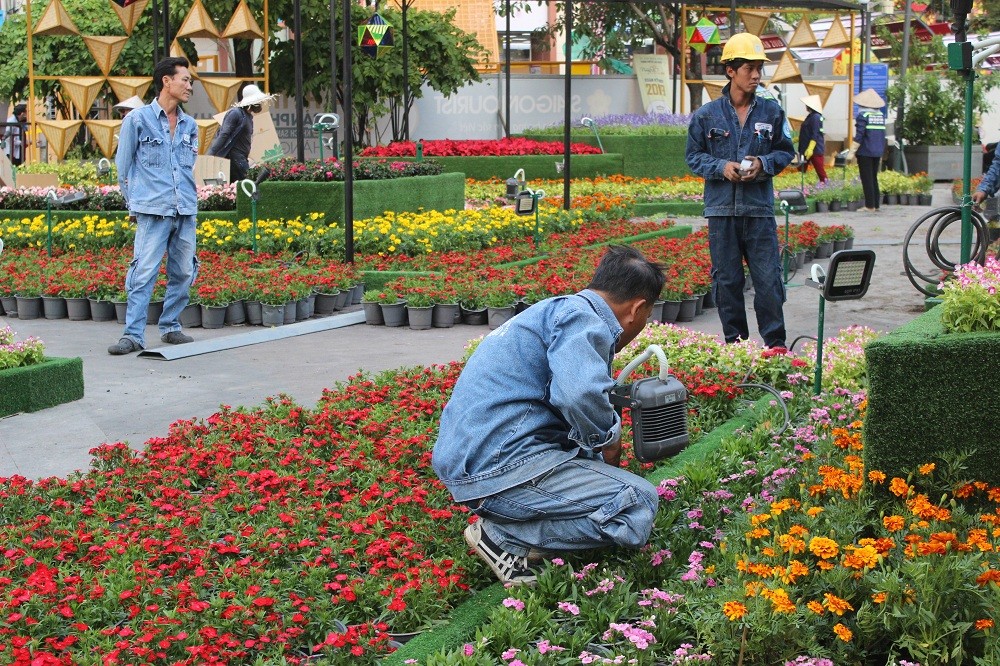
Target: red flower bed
{"x":478,"y":148}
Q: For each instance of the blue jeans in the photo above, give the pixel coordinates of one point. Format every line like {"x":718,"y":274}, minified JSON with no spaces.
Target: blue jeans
{"x":730,"y":241}
{"x":580,"y":504}
{"x":154,"y":236}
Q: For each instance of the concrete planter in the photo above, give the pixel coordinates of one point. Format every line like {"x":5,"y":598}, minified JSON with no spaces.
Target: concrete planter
{"x":939,"y":162}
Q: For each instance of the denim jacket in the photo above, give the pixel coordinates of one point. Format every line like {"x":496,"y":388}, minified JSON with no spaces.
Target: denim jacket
{"x":533,"y":395}
{"x":991,"y":179}
{"x":715,"y":138}
{"x":155,"y":172}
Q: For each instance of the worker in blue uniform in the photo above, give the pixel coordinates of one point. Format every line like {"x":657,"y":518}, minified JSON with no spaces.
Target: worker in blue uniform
{"x":869,"y":144}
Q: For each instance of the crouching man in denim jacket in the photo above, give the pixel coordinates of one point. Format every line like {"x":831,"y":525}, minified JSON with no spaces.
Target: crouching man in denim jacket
{"x":738,"y":143}
{"x":529,"y":440}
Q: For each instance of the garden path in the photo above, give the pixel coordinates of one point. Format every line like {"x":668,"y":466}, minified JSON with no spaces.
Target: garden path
{"x":133,"y":399}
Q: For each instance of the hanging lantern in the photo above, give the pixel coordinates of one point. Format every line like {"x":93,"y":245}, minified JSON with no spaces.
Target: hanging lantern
{"x":702,"y":34}
{"x":375,"y":36}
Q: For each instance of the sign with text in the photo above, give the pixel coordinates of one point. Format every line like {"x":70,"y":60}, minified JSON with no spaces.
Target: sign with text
{"x":652,"y":72}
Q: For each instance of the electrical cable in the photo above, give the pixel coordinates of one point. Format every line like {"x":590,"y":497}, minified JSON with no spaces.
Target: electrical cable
{"x":939,"y":220}
{"x":781,"y":402}
{"x":802,"y":337}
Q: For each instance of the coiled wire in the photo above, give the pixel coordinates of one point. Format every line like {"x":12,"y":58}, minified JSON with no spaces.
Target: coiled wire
{"x":938,"y":220}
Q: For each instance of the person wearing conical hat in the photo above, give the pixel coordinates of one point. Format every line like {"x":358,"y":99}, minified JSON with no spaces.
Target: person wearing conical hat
{"x":236,"y":134}
{"x":126,"y":105}
{"x":812,"y":143}
{"x":869,"y":144}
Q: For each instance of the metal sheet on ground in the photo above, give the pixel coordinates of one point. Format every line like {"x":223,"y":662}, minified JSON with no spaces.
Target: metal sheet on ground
{"x":171,"y":352}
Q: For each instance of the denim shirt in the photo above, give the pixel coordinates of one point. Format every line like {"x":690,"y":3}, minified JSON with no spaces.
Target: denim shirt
{"x":155,"y":172}
{"x":715,"y":138}
{"x":533,"y":395}
{"x":991,"y":179}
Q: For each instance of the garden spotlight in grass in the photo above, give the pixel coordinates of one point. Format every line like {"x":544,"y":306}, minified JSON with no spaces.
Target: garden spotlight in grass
{"x":846,"y":278}
{"x":103,"y":168}
{"x":515,"y":184}
{"x":220,"y":179}
{"x":658,"y":406}
{"x":589,"y":122}
{"x":326,"y":122}
{"x":251,"y":189}
{"x":792,"y":201}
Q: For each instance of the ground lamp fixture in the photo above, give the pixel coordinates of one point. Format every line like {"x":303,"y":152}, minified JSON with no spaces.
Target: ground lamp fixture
{"x":251,"y":189}
{"x":658,"y":406}
{"x":327,"y":122}
{"x":589,"y":122}
{"x":103,"y":168}
{"x":220,"y":179}
{"x":53,"y":199}
{"x":846,"y":278}
{"x":792,"y":201}
{"x":515,"y":184}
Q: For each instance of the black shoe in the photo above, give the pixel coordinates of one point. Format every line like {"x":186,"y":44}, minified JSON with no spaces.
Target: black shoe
{"x":176,"y":338}
{"x":124,"y":346}
{"x":508,"y":568}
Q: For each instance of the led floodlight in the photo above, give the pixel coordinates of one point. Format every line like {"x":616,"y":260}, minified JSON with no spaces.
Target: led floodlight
{"x":848,"y":275}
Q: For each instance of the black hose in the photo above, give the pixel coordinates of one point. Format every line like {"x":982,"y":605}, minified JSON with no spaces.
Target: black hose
{"x":940,"y":219}
{"x":781,"y":401}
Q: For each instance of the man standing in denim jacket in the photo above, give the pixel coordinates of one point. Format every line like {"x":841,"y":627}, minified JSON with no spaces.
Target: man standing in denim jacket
{"x":529,"y":440}
{"x":738,"y":143}
{"x":157,"y":147}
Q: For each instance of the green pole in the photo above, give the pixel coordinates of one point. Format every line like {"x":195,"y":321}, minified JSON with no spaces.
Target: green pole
{"x":966,"y":251}
{"x":534,"y":197}
{"x":253,"y":216}
{"x":48,"y":221}
{"x":785,"y":207}
{"x":420,"y":151}
{"x":319,"y":132}
{"x":819,"y":346}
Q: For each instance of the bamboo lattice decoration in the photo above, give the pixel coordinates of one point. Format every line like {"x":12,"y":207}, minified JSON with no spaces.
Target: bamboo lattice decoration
{"x":207,"y":127}
{"x":129,"y":86}
{"x":59,"y":134}
{"x":105,"y":50}
{"x":755,"y":22}
{"x":803,"y":35}
{"x":129,"y":15}
{"x":788,"y":70}
{"x":55,"y":20}
{"x":81,"y":91}
{"x":822,"y":89}
{"x":243,"y":25}
{"x":713,"y":89}
{"x":836,"y":35}
{"x":105,"y":133}
{"x":221,"y":91}
{"x":198,"y":23}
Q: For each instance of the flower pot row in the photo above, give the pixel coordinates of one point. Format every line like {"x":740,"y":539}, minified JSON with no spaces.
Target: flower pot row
{"x":438,"y":315}
{"x":681,"y":311}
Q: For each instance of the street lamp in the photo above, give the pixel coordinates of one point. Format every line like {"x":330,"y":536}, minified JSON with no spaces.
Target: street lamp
{"x":847,"y":278}
{"x":792,"y":201}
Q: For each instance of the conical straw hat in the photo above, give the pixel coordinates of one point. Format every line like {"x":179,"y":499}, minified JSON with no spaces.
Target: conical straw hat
{"x":813,"y":102}
{"x":870,"y":99}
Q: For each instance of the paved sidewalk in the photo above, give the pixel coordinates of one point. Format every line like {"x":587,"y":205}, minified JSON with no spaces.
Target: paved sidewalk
{"x":132,"y":399}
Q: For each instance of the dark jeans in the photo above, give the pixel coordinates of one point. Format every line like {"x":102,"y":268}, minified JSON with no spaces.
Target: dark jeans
{"x":755,"y":239}
{"x":868,"y":167}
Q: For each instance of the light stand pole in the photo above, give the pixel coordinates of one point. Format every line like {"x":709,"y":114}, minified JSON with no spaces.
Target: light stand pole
{"x":960,"y":59}
{"x":300,"y":136}
{"x":333,"y":75}
{"x":348,"y":136}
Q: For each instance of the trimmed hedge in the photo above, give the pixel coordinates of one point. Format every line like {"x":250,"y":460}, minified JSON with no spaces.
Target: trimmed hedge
{"x":929,"y":395}
{"x":669,"y":232}
{"x":535,"y":166}
{"x":288,"y":200}
{"x":58,"y":215}
{"x":468,"y":617}
{"x":47,"y":384}
{"x":643,"y":156}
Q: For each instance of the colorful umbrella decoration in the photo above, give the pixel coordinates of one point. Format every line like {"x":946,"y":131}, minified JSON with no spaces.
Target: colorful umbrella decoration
{"x":702,"y":34}
{"x":375,"y":36}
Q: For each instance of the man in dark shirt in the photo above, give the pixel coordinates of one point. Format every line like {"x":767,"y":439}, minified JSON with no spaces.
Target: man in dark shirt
{"x":236,"y":134}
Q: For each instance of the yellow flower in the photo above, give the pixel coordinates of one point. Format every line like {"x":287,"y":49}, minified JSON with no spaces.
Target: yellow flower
{"x":927,"y":469}
{"x":779,"y":600}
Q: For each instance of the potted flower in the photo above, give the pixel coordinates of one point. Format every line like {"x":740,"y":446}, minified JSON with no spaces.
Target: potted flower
{"x":419,"y":309}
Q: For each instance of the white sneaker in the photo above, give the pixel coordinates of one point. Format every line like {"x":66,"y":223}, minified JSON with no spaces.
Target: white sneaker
{"x":509,"y":568}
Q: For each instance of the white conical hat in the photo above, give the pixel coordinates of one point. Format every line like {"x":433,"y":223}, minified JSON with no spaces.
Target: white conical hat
{"x":870,"y":99}
{"x":130,"y":104}
{"x":813,"y":102}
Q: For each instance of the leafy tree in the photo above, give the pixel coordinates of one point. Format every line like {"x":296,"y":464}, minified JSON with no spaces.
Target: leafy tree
{"x":440,"y":56}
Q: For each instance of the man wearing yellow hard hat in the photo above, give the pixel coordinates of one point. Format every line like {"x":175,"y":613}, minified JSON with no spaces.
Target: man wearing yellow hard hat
{"x":737,"y":143}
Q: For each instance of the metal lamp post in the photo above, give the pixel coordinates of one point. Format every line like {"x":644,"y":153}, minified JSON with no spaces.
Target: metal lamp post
{"x":327,"y":122}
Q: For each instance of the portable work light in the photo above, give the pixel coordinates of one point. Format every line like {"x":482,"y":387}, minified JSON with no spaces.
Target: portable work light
{"x":658,"y":406}
{"x":794,"y":199}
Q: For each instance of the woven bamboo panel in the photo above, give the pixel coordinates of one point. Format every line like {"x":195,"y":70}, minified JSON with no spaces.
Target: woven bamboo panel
{"x":803,"y":35}
{"x":55,"y":20}
{"x":81,"y":91}
{"x":821,"y":89}
{"x":788,"y":70}
{"x":105,"y":133}
{"x":207,"y":127}
{"x":713,"y":89}
{"x":221,"y":91}
{"x":243,"y":25}
{"x":474,"y":16}
{"x":836,"y":35}
{"x":105,"y":50}
{"x":60,"y":134}
{"x":755,"y":22}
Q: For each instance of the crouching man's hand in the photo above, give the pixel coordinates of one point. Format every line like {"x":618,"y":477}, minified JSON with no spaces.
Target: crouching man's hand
{"x":613,"y":453}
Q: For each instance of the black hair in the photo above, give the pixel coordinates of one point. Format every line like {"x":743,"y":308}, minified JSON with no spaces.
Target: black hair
{"x":167,"y":67}
{"x":20,"y":108}
{"x":624,"y":274}
{"x":735,"y":63}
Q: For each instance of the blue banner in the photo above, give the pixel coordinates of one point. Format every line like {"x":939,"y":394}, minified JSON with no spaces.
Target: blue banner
{"x":876,"y":75}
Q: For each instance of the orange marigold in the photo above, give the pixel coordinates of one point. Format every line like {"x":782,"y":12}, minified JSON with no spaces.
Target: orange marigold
{"x":843,"y":633}
{"x":985,"y":623}
{"x":879,"y":597}
{"x":835,"y":604}
{"x":791,"y":544}
{"x":816,"y":607}
{"x":898,"y":487}
{"x":893,"y":523}
{"x":988,"y":576}
{"x":876,"y":476}
{"x":779,"y":600}
{"x":927,"y":468}
{"x":733,"y":610}
{"x":823,"y":547}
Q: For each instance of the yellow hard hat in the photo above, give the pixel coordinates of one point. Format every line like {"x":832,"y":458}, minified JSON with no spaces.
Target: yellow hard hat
{"x":745,"y":46}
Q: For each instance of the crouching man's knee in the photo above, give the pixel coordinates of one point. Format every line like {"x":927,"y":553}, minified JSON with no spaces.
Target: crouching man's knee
{"x":627,"y":519}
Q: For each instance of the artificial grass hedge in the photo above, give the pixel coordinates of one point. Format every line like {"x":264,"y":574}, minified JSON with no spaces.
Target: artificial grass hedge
{"x":669,"y":232}
{"x":643,"y":156}
{"x":929,"y":396}
{"x":535,"y":166}
{"x":289,"y":200}
{"x":464,"y":620}
{"x":47,"y":384}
